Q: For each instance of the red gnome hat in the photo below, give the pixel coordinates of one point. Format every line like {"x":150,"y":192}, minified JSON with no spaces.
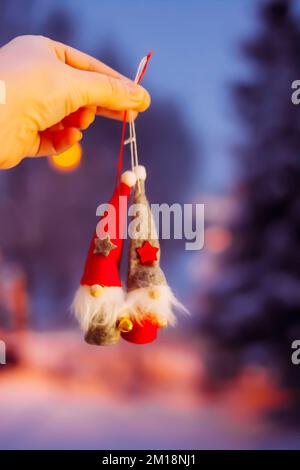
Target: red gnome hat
{"x":100,"y":294}
{"x":102,"y":264}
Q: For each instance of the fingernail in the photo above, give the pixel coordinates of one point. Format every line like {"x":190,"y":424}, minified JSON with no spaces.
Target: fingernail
{"x":136,"y":92}
{"x":147,"y":100}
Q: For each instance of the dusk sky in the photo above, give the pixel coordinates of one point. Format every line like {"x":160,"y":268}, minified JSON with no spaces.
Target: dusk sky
{"x":196,"y":57}
{"x":224,"y":377}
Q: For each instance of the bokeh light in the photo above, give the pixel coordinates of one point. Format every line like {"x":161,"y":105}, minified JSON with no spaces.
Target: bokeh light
{"x":217,"y":239}
{"x":67,"y":161}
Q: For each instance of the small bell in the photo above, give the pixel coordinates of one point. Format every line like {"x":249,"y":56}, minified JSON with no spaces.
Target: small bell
{"x":124,"y":325}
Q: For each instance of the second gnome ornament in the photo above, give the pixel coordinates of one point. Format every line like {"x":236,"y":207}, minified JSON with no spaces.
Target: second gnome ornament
{"x":150,"y":301}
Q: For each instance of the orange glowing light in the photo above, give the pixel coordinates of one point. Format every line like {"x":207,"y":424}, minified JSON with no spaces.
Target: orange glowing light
{"x":67,"y":161}
{"x":217,"y":239}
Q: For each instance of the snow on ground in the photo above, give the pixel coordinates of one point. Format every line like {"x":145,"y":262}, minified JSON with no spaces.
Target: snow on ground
{"x":67,"y":395}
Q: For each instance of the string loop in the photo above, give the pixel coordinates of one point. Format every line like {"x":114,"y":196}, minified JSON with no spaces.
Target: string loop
{"x":132,"y":134}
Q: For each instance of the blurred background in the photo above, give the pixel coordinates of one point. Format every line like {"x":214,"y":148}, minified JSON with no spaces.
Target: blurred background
{"x":221,"y":131}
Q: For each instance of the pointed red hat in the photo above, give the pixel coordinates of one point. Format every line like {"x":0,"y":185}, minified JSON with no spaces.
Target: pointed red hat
{"x":103,"y":259}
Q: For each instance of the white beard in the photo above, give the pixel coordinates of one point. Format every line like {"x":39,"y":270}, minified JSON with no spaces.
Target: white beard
{"x":139,"y":304}
{"x":101,"y":310}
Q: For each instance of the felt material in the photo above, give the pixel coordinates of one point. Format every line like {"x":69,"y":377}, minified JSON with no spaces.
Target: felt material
{"x":104,"y":246}
{"x":141,"y":333}
{"x":101,"y":269}
{"x":147,"y":253}
{"x":144,"y":275}
{"x":102,"y":335}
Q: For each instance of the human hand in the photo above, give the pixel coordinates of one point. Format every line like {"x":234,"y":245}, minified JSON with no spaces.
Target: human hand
{"x":53,"y":91}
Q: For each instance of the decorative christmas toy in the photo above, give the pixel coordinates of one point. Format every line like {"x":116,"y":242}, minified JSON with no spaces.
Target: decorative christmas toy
{"x":100,"y":305}
{"x":150,"y":301}
{"x":100,"y":295}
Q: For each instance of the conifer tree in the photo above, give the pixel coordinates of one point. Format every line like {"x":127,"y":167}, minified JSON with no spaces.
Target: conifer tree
{"x":254,"y":304}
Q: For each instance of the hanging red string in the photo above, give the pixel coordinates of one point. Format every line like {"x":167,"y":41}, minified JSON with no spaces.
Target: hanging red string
{"x":139,"y":79}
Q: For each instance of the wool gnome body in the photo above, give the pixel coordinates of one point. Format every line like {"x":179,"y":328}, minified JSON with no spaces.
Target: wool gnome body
{"x":100,"y":296}
{"x":150,"y":301}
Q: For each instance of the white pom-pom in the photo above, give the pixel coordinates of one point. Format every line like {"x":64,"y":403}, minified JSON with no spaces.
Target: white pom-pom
{"x":140,"y":172}
{"x":128,"y":178}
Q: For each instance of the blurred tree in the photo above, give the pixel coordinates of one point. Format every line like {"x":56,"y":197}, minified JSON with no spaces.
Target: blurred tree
{"x":48,"y":217}
{"x":254,"y":304}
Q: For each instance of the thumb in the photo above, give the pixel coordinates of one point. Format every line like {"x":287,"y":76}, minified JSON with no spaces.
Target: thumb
{"x":105,"y":91}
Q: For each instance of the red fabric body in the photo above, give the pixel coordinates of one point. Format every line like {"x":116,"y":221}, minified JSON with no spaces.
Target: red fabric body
{"x":104,"y":270}
{"x":141,"y":333}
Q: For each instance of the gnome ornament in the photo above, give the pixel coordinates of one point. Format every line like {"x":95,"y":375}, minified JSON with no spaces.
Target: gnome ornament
{"x":150,"y":301}
{"x":100,"y":304}
{"x":100,"y":296}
